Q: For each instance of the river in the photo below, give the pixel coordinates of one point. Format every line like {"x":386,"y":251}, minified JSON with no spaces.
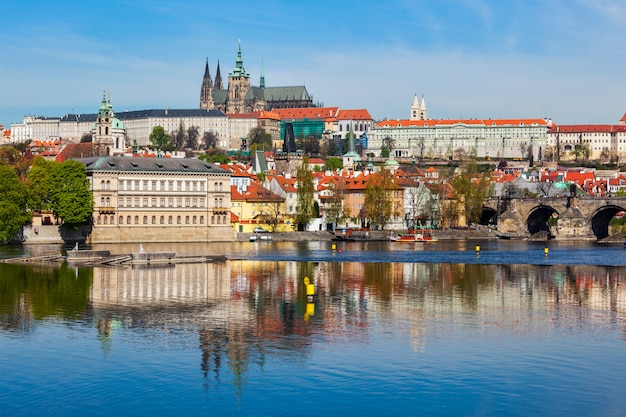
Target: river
{"x":440,"y":329}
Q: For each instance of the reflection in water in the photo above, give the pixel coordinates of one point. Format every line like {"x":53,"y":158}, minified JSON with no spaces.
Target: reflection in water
{"x":243,"y":311}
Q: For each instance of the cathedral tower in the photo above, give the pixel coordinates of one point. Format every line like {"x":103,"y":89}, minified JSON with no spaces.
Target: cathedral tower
{"x":238,"y":86}
{"x":206,"y":93}
{"x":218,"y":78}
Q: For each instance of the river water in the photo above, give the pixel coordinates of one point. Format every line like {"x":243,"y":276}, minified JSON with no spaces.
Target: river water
{"x":438,"y":329}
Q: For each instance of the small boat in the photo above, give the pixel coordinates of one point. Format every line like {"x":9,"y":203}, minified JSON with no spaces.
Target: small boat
{"x":421,"y":236}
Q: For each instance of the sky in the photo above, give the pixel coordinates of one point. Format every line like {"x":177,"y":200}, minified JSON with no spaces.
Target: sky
{"x":470,"y":59}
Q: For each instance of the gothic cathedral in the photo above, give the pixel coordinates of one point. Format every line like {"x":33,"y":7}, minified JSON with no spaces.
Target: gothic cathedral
{"x":241,"y":97}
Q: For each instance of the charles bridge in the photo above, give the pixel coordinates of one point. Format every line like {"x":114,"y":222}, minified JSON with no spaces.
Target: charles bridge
{"x":560,"y":218}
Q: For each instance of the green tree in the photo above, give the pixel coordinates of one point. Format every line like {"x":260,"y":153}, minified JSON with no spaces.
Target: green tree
{"x":70,"y":194}
{"x":215,"y":155}
{"x":334,"y":163}
{"x":378,"y":203}
{"x":38,"y":183}
{"x":160,"y":140}
{"x":304,"y":198}
{"x":209,"y":140}
{"x":13,"y":197}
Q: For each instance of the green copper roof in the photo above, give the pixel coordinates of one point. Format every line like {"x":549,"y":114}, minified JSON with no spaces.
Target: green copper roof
{"x":239,"y":70}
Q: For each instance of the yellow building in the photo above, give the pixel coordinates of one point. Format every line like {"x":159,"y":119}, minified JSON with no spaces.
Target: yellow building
{"x":254,"y":206}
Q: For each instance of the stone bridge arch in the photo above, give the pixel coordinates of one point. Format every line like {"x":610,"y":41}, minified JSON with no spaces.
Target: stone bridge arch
{"x":601,"y":218}
{"x":537,"y":219}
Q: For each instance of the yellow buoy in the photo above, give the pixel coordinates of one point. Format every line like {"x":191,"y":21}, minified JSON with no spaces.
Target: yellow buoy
{"x":333,"y":247}
{"x":477,"y":250}
{"x":545,"y":251}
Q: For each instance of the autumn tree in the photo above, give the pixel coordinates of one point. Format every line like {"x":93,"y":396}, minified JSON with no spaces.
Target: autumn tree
{"x":378,"y":200}
{"x":305,"y":195}
{"x":335,"y":210}
{"x":471,"y":189}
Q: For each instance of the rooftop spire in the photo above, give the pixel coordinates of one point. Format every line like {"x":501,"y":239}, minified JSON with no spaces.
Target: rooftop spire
{"x":239,"y":69}
{"x":262,"y":83}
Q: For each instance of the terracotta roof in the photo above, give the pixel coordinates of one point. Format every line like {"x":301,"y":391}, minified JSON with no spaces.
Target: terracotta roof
{"x":254,"y":193}
{"x":358,"y":114}
{"x":586,"y":128}
{"x":488,"y":122}
{"x":306,"y":113}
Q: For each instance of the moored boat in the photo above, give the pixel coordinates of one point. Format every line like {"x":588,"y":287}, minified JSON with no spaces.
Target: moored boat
{"x":417,"y":236}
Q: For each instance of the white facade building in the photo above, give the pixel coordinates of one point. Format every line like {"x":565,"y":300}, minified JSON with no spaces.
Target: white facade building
{"x":514,"y":138}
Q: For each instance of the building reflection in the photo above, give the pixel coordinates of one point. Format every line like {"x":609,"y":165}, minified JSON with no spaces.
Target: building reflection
{"x":244,"y":311}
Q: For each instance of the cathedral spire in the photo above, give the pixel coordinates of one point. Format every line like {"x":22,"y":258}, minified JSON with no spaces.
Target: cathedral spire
{"x":239,"y":69}
{"x":218,"y":78}
{"x":206,"y":92}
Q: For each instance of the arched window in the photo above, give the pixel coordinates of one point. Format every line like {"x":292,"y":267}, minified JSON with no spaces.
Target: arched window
{"x":105,"y":219}
{"x":112,"y":220}
{"x":136,"y":219}
{"x":212,"y":219}
{"x":201,"y":219}
{"x":177,"y":219}
{"x":186,"y":219}
{"x":120,"y":220}
{"x":219,"y":219}
{"x":145,"y":219}
{"x":193,"y":220}
{"x":224,"y":221}
{"x":108,"y":202}
{"x":102,"y":185}
{"x":108,"y":185}
{"x":101,"y":201}
{"x":153,"y":219}
{"x":127,"y":219}
{"x":98,"y":220}
{"x":162,"y":220}
{"x":169,"y":220}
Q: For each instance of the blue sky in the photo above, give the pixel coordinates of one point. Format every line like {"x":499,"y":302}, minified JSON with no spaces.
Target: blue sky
{"x":562,"y":59}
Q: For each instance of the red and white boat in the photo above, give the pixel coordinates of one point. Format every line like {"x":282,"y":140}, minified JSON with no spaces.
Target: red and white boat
{"x":416,"y":236}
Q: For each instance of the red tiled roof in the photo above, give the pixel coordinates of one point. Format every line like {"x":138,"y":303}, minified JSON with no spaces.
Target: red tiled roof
{"x":306,"y":113}
{"x":489,"y":122}
{"x":587,"y":129}
{"x":358,"y":114}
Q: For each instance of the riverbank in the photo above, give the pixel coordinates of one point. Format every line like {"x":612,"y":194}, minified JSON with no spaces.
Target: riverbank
{"x":482,"y":233}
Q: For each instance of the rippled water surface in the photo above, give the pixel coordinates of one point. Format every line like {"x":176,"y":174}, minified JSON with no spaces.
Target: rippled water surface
{"x":431,"y":330}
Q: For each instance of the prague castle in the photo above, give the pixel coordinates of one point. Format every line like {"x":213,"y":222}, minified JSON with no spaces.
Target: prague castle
{"x":241,"y":97}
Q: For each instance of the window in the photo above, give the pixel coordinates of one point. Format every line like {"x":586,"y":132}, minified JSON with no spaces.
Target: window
{"x":153,"y":219}
{"x":153,"y":202}
{"x":101,"y":201}
{"x":201,"y":186}
{"x":162,"y":202}
{"x":145,"y":201}
{"x":136,"y":184}
{"x":169,"y":219}
{"x":145,"y":219}
{"x":105,"y":219}
{"x":145,"y":184}
{"x":177,"y":219}
{"x":193,"y":220}
{"x":112,"y":220}
{"x":187,"y":186}
{"x":120,"y":220}
{"x":180,"y":185}
{"x":154,"y":185}
{"x":179,"y":202}
{"x":202,"y":202}
{"x":187,"y":202}
{"x":201,"y":219}
{"x":136,"y":219}
{"x":186,"y":219}
{"x":194,"y":202}
{"x":127,"y":219}
{"x":195,"y":186}
{"x":162,"y":220}
{"x":170,"y":202}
